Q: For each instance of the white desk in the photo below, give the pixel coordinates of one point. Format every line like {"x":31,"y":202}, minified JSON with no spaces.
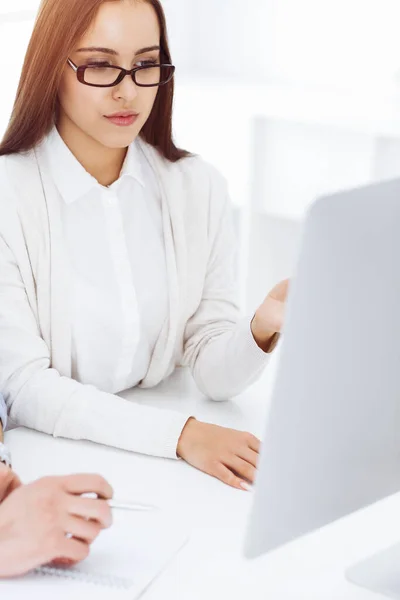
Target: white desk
{"x":211,"y":565}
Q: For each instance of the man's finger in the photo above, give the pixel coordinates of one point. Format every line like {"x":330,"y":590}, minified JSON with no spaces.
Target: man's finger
{"x":88,"y":483}
{"x":82,"y":529}
{"x":9,"y":482}
{"x":87,"y":508}
{"x":15,"y":484}
{"x":73,"y":550}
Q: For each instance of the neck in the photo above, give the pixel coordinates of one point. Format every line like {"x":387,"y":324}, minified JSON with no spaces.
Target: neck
{"x":103,"y":163}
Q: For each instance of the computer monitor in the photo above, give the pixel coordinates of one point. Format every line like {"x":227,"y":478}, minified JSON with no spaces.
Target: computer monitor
{"x":332,"y":438}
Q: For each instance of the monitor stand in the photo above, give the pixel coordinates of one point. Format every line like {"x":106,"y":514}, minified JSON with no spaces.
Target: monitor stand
{"x":380,"y":573}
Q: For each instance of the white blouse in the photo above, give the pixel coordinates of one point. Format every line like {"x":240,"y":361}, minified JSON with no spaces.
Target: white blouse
{"x":203,"y":330}
{"x":115,"y":247}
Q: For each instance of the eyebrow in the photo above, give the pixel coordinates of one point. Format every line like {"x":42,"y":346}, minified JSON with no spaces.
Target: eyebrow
{"x":114,"y":52}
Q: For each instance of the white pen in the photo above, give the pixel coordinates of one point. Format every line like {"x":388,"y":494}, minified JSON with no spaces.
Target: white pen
{"x":117,"y":504}
{"x":130,"y":506}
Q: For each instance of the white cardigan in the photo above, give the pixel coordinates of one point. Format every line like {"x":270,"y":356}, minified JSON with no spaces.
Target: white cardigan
{"x":204,"y":328}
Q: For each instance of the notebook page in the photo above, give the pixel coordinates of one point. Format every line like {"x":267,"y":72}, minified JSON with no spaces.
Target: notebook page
{"x":122,"y":563}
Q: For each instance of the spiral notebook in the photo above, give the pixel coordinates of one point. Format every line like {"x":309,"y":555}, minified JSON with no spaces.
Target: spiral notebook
{"x":123,"y":561}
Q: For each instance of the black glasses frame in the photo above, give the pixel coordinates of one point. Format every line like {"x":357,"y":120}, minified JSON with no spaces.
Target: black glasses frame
{"x":80,"y":73}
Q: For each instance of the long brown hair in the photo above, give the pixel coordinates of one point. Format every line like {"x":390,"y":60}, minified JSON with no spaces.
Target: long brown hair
{"x":59,"y":26}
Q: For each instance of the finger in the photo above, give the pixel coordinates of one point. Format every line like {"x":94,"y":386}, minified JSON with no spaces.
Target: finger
{"x":249,"y":456}
{"x":6,"y":476}
{"x":15,"y":483}
{"x":87,"y":508}
{"x":254,"y":443}
{"x":71,"y":549}
{"x":224,"y":474}
{"x":9,"y":482}
{"x":84,"y":484}
{"x":280,"y":290}
{"x":84,"y":530}
{"x":242,"y":468}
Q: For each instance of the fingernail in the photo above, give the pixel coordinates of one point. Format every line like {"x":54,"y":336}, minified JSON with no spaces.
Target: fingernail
{"x":245,"y":486}
{"x":62,"y":562}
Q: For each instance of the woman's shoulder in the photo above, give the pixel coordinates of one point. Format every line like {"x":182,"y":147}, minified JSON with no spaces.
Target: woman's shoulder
{"x":206,"y":186}
{"x":192,"y":166}
{"x":6,"y":186}
{"x":200,"y":182}
{"x":15,"y":166}
{"x":198,"y":168}
{"x":15,"y":172}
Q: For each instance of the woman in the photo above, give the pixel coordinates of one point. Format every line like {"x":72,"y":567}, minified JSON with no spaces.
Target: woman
{"x":116,"y":247}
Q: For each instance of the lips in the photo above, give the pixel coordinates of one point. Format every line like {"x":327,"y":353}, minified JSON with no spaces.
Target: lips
{"x":122,"y":114}
{"x":123,"y":121}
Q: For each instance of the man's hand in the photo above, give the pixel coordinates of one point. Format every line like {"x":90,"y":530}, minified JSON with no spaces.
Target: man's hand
{"x":35,"y":521}
{"x":9,"y":481}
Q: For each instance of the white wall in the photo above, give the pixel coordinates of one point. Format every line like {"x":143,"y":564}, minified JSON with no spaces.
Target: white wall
{"x":346,"y":43}
{"x":14,"y":37}
{"x":303,"y":161}
{"x":233,"y":38}
{"x":181,"y":31}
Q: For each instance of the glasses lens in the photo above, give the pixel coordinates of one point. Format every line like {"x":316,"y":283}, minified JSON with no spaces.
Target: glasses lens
{"x":101,"y":75}
{"x":154,"y":75}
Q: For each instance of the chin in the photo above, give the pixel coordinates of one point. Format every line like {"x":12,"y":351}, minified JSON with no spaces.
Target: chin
{"x":124,"y":139}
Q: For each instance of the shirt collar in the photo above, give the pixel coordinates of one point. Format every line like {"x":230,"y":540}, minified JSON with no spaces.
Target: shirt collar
{"x":71,"y":178}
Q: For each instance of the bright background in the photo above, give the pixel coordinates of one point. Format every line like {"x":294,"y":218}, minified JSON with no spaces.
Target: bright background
{"x":290,"y":99}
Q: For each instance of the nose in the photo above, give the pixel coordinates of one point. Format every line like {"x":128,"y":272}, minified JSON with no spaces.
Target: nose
{"x":127,"y":89}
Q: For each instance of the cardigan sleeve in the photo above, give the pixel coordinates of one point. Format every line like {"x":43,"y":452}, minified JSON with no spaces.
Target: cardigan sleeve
{"x":219,"y":346}
{"x":40,"y":398}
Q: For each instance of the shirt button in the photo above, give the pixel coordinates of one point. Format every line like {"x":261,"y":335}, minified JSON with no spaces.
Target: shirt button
{"x":109,"y":198}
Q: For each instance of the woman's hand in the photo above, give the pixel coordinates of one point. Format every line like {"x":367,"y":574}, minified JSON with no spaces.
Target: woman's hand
{"x":268,"y":319}
{"x":226,"y":454}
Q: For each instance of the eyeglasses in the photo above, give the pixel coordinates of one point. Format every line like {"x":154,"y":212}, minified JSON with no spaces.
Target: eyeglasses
{"x":107,"y":75}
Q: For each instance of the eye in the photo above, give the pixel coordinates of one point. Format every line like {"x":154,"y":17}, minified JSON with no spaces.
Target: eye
{"x":147,"y":63}
{"x":98,"y":64}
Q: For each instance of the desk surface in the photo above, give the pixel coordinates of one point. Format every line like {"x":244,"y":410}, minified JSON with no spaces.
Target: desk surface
{"x":211,"y":565}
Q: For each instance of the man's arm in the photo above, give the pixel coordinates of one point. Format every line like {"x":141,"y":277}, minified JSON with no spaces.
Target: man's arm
{"x":3,"y":417}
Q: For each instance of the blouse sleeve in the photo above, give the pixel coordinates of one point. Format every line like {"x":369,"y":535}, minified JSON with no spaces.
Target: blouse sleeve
{"x":219,"y":346}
